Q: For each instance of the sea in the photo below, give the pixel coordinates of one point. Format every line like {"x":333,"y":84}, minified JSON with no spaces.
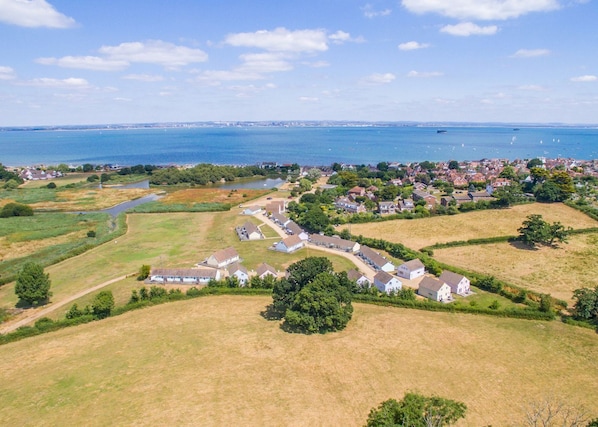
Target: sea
{"x":305,"y":145}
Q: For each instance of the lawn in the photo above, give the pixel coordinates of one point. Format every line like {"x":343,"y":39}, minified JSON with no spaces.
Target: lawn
{"x":419,"y":233}
{"x":215,"y":361}
{"x":546,"y":270}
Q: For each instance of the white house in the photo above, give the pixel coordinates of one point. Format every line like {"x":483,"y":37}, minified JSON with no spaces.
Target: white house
{"x":387,"y":282}
{"x":295,"y":229}
{"x":185,"y":276}
{"x":459,"y":285}
{"x":290,"y":244}
{"x":240,"y":272}
{"x":264,"y":270}
{"x":252,"y":210}
{"x":411,"y":269}
{"x":280,"y":219}
{"x":252,"y":231}
{"x":375,"y":259}
{"x":222,"y":258}
{"x":434,"y":289}
{"x":359,"y":278}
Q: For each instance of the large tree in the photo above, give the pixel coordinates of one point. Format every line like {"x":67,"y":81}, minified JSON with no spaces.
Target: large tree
{"x":586,"y":303}
{"x":102,"y":304}
{"x":416,"y":410}
{"x":535,"y":230}
{"x":33,"y":285}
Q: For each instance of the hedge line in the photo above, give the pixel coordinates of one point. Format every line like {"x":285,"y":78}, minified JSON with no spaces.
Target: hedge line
{"x":470,"y":242}
{"x":589,"y":210}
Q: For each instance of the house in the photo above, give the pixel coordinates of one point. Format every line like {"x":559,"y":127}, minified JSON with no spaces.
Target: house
{"x":460,"y":182}
{"x":348,"y":205}
{"x":411,"y":269}
{"x":184,"y":276}
{"x":239,"y":271}
{"x":36,"y":175}
{"x":387,"y":208}
{"x":427,"y":197}
{"x":375,"y":259}
{"x":477,"y":196}
{"x":250,"y":231}
{"x":276,"y":206}
{"x":251,"y":210}
{"x":406,"y":205}
{"x":387,"y":282}
{"x":361,"y":279}
{"x":459,"y":284}
{"x":294,"y":229}
{"x":290,"y":244}
{"x":461,"y":197}
{"x":434,"y":289}
{"x":280,"y":219}
{"x":356,"y":192}
{"x":222,"y":258}
{"x":334,"y":243}
{"x":264,"y":270}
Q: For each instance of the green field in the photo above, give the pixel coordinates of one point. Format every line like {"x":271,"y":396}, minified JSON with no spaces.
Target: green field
{"x":216,"y":361}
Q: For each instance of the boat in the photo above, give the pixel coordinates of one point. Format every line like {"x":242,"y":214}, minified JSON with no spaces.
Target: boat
{"x":441,"y":131}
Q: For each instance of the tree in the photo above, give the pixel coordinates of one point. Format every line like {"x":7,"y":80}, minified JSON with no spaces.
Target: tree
{"x":416,"y":410}
{"x":534,"y":163}
{"x":33,"y":285}
{"x":144,"y":272}
{"x":553,"y":412}
{"x":15,"y":209}
{"x":586,"y":303}
{"x":102,"y":305}
{"x":454,"y":165}
{"x":313,"y":174}
{"x":535,"y":230}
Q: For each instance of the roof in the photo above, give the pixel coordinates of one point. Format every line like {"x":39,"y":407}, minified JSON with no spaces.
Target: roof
{"x":328,"y":240}
{"x":265,"y":268}
{"x":384,"y":277}
{"x":225,"y":254}
{"x":235,"y":266}
{"x":414,"y":264}
{"x":451,"y":278}
{"x":355,"y":275}
{"x":292,"y":241}
{"x":431,"y":284}
{"x":184,"y":272}
{"x":294,"y":227}
{"x":373,"y":256}
{"x":280,"y":217}
{"x":251,"y":228}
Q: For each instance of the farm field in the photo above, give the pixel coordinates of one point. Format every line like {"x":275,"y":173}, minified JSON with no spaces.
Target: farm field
{"x":419,"y":233}
{"x":216,"y":361}
{"x":547,"y":270}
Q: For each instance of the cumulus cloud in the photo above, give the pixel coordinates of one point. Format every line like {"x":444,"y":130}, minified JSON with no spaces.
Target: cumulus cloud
{"x":309,"y":99}
{"x":341,"y":36}
{"x":530,"y":53}
{"x":370,"y":12}
{"x":33,"y":13}
{"x":413,"y":45}
{"x":424,"y":74}
{"x":6,"y":73}
{"x":154,"y":52}
{"x":533,"y":88}
{"x":281,"y":40}
{"x":144,"y":77}
{"x":264,"y":63}
{"x":70,"y":83}
{"x":585,"y":78}
{"x":466,"y":29}
{"x":480,"y":9}
{"x":85,"y":63}
{"x":379,"y":78}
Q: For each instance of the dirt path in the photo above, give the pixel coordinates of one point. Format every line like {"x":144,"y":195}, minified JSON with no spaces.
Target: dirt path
{"x":35,"y":314}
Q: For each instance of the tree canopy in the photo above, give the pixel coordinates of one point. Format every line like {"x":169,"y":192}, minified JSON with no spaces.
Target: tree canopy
{"x":33,"y":285}
{"x":586,"y":303}
{"x":535,"y":230}
{"x":15,"y":209}
{"x":102,"y":304}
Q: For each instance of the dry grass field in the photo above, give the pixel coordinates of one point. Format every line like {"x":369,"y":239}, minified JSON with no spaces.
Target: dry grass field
{"x":547,"y":270}
{"x":488,"y":223}
{"x":216,"y":362}
{"x":90,"y":199}
{"x":212,"y":195}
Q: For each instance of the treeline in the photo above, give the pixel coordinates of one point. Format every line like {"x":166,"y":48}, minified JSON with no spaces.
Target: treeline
{"x":203,"y":174}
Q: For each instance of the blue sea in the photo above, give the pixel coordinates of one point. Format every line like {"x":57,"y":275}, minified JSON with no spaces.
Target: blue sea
{"x":318,"y":145}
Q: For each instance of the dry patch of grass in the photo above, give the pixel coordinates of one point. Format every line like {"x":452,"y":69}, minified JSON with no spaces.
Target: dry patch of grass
{"x":478,"y":224}
{"x":547,"y":270}
{"x":212,"y":195}
{"x":10,"y":250}
{"x":91,"y":199}
{"x":215,"y":361}
{"x":70,"y":178}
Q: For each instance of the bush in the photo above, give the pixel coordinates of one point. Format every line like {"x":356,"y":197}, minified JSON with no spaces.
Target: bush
{"x":15,"y":209}
{"x":51,"y":185}
{"x":91,"y":233}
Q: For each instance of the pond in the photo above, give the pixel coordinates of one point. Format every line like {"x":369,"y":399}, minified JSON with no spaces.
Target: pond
{"x":252,"y":184}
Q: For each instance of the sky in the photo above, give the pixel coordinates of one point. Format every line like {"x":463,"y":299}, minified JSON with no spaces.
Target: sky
{"x":73,"y":62}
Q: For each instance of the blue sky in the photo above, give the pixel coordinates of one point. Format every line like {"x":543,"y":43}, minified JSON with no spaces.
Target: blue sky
{"x":130,"y":61}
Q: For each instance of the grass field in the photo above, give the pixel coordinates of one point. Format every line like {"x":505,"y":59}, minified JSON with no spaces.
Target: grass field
{"x":419,"y":233}
{"x":547,"y":270}
{"x":215,"y":361}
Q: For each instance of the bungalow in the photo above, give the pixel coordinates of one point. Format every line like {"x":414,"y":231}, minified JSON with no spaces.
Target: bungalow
{"x":375,"y":259}
{"x":461,"y":197}
{"x":387,"y":282}
{"x":222,"y":258}
{"x":264,"y":270}
{"x":280,"y":219}
{"x":361,"y":279}
{"x":183,"y":276}
{"x":387,"y":208}
{"x":411,"y":269}
{"x":239,"y":271}
{"x":459,"y":285}
{"x":251,"y":232}
{"x":434,"y":289}
{"x":477,"y":196}
{"x":334,"y":243}
{"x":276,"y":206}
{"x":347,"y":205}
{"x":290,"y":244}
{"x":356,"y":192}
{"x":251,"y":210}
{"x":294,"y":229}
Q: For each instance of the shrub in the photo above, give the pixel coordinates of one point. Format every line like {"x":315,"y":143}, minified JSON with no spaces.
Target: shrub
{"x":15,"y":209}
{"x":51,"y":185}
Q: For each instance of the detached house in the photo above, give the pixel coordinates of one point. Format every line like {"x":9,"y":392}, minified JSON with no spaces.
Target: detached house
{"x":239,"y":271}
{"x":387,"y":282}
{"x":222,"y":258}
{"x":434,"y":289}
{"x":264,"y":270}
{"x":359,"y":278}
{"x":290,"y":244}
{"x":459,"y":285}
{"x":294,"y":229}
{"x":387,"y":208}
{"x":411,"y":269}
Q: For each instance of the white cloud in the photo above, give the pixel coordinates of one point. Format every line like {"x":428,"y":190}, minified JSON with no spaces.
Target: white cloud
{"x":378,"y":78}
{"x":586,"y":78}
{"x":154,"y":52}
{"x":309,"y":99}
{"x":317,"y":64}
{"x":533,"y":88}
{"x":33,"y":13}
{"x":369,"y":12}
{"x":264,"y":63}
{"x":413,"y":45}
{"x":424,"y":74}
{"x":144,"y":77}
{"x":341,"y":36}
{"x":6,"y":73}
{"x":480,"y":9}
{"x":85,"y":63}
{"x":214,"y":77}
{"x":465,"y":29}
{"x":72,"y":82}
{"x":530,"y":53}
{"x":281,"y":40}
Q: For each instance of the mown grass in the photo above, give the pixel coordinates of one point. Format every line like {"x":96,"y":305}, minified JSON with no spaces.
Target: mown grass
{"x":185,"y":363}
